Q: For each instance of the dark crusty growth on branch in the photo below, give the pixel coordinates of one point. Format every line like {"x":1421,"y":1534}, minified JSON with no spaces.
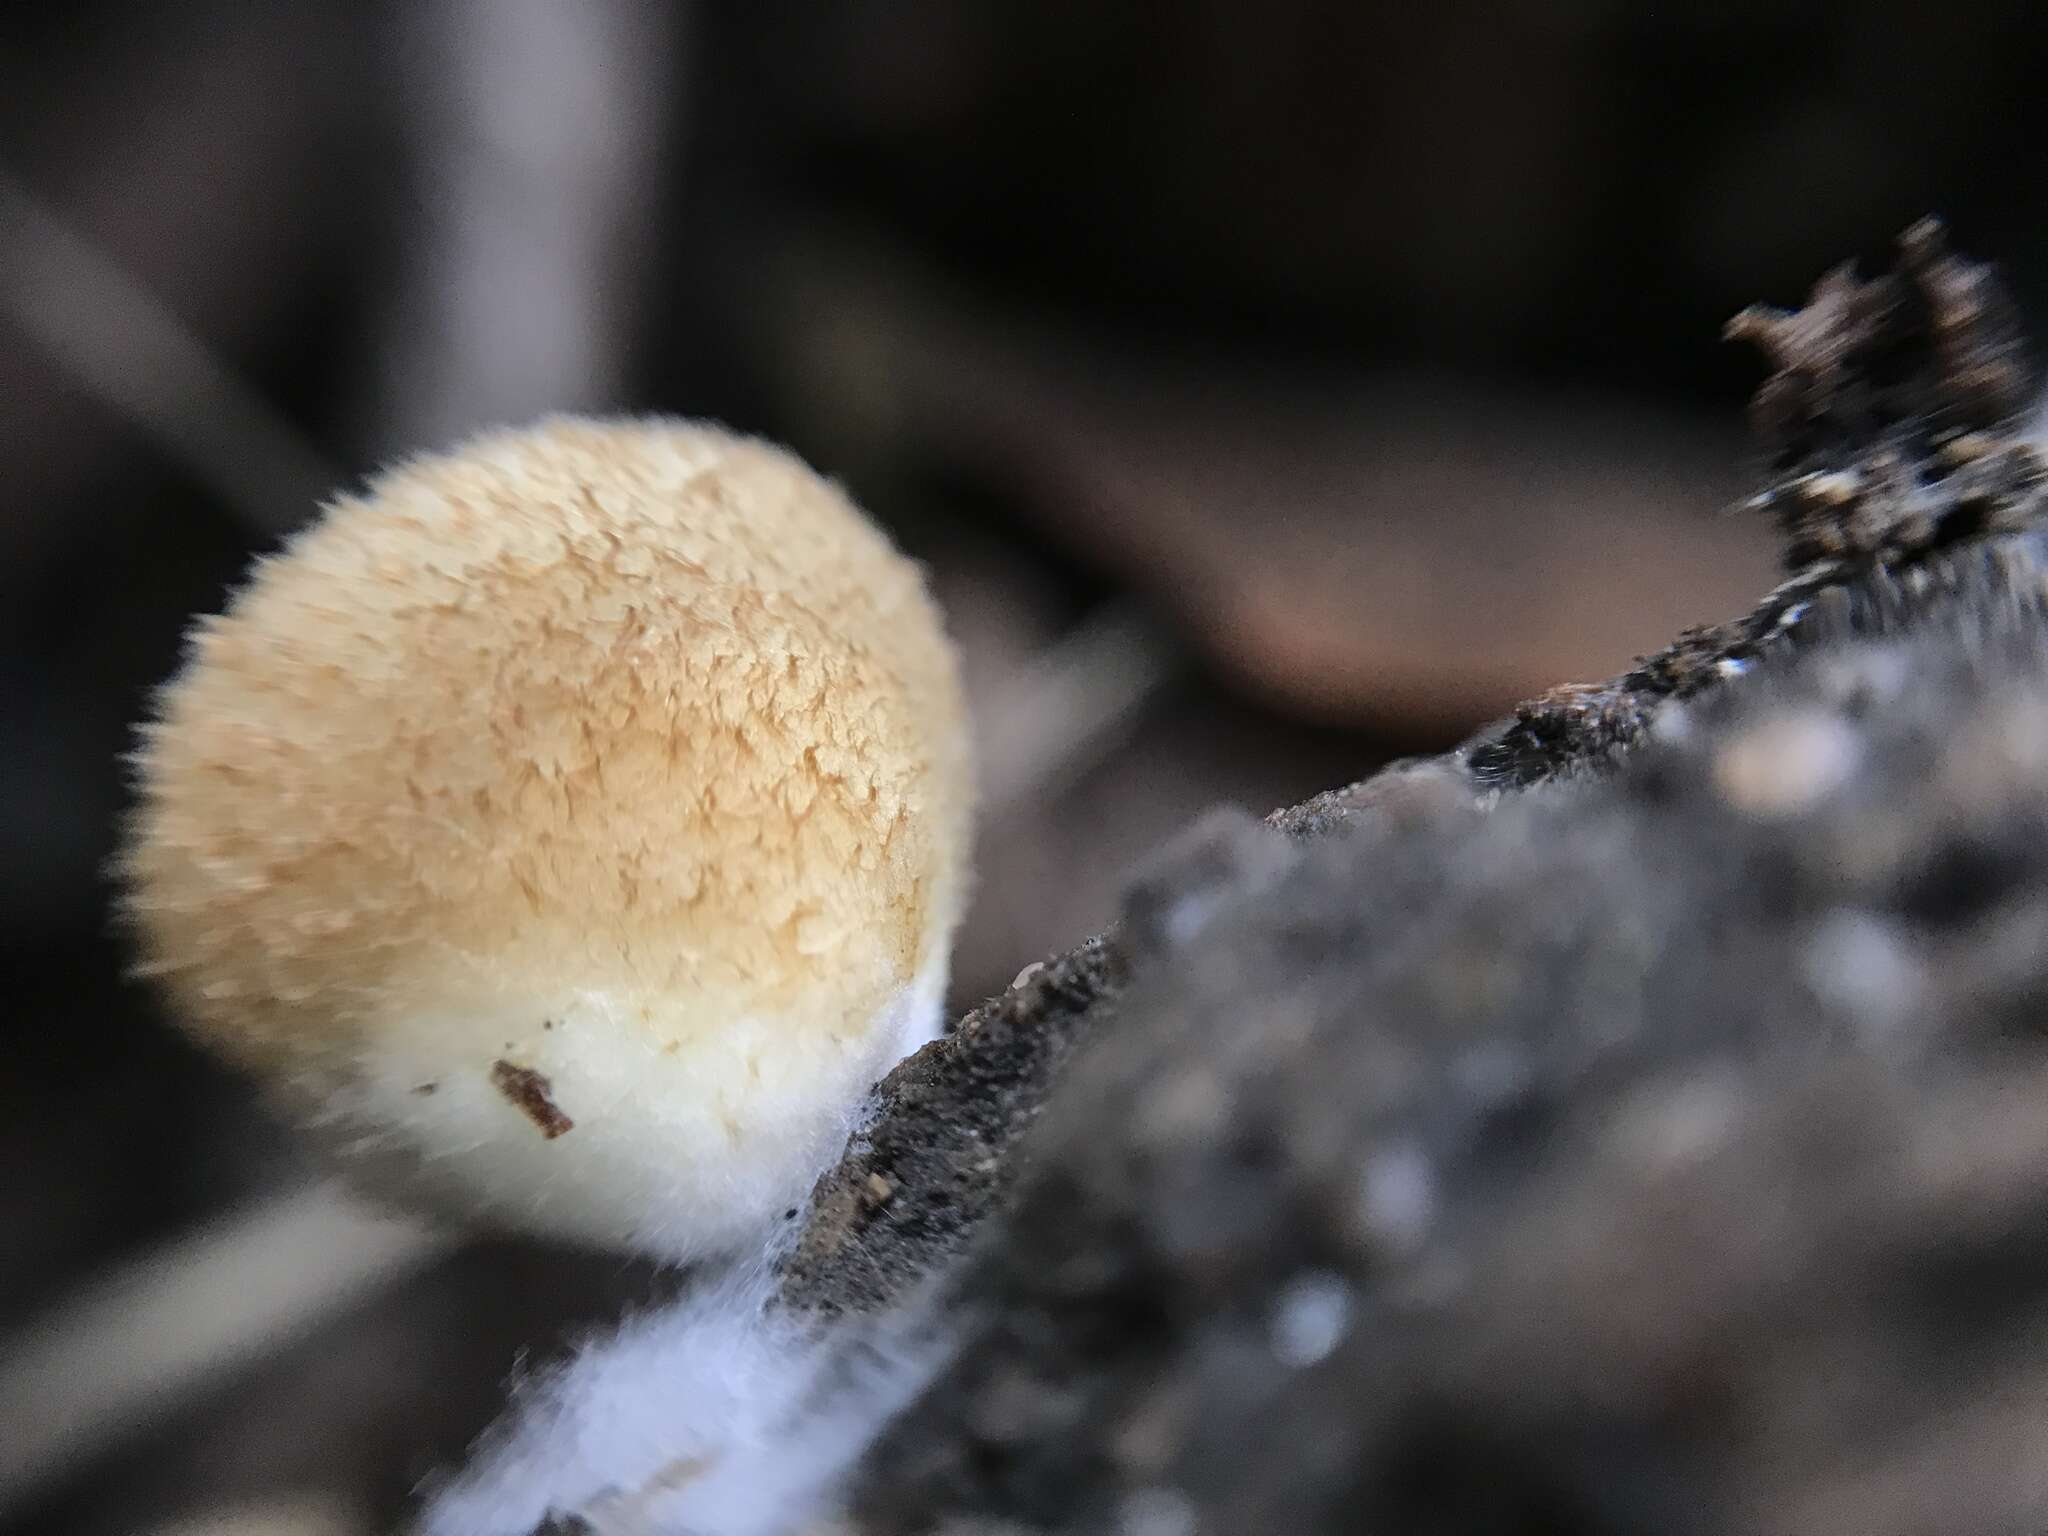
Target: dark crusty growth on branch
{"x":1893,"y":418}
{"x":1895,"y":425}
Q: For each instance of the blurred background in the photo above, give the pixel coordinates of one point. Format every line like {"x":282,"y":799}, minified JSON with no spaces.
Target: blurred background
{"x":1272,"y":388}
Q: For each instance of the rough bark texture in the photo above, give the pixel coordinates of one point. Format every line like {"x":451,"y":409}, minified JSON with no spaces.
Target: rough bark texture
{"x":913,"y":1188}
{"x":1658,"y":1150}
{"x":1657,"y":1153}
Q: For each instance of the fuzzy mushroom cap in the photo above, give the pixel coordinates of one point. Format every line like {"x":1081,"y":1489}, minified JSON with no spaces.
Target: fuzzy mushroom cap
{"x":575,"y":825}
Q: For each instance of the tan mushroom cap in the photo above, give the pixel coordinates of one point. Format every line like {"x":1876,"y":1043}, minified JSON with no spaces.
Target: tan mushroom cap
{"x":578,"y":822}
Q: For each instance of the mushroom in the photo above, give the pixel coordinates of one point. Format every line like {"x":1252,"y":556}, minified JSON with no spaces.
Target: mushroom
{"x":569,"y":830}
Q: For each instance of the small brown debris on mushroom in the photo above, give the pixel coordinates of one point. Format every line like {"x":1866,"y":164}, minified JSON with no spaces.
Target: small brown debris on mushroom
{"x":532,"y":1094}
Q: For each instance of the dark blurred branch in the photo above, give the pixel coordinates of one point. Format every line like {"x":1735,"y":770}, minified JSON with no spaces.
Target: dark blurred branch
{"x":126,"y":347}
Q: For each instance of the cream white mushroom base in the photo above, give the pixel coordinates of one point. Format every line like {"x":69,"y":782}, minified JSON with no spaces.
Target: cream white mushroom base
{"x":572,"y":828}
